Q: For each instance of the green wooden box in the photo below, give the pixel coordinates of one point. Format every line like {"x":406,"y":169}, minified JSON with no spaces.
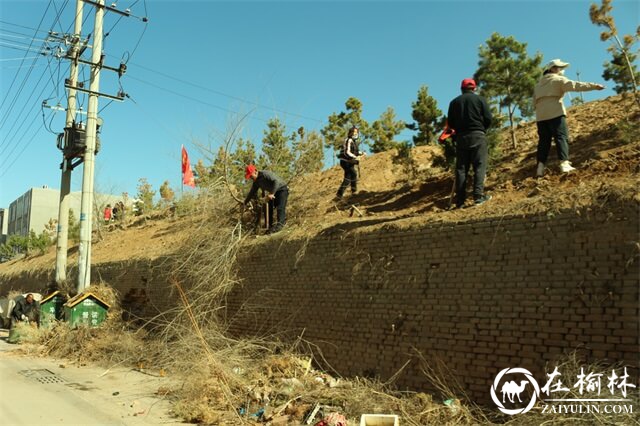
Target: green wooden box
{"x":52,"y":308}
{"x":85,"y":309}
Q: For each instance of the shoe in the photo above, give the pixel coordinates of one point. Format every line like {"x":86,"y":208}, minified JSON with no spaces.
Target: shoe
{"x":482,"y":199}
{"x":540,"y":170}
{"x":565,"y":167}
{"x":275,"y":228}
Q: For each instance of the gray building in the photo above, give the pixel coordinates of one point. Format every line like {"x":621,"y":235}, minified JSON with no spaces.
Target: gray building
{"x":38,"y":206}
{"x":4,"y":225}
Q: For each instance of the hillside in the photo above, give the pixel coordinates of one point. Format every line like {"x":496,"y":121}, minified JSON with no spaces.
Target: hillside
{"x":605,"y":162}
{"x":602,"y":148}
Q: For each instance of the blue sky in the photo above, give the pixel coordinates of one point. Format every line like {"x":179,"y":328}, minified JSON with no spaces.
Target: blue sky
{"x":201,"y":64}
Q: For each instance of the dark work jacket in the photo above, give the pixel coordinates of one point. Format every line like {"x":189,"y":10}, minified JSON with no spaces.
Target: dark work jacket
{"x":350,"y":151}
{"x":267,"y":181}
{"x":469,"y":112}
{"x":23,"y":308}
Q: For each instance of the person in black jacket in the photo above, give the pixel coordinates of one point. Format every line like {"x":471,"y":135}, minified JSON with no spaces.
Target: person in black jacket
{"x":469,"y":115}
{"x":277,"y":193}
{"x":26,"y":309}
{"x":350,"y":155}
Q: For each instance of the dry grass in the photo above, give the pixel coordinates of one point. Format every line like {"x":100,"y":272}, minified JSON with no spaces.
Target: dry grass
{"x":227,"y":380}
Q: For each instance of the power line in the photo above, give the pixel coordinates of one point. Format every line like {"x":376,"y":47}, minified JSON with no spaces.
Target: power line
{"x":17,"y":73}
{"x":193,"y":99}
{"x":21,"y":152}
{"x":15,"y":59}
{"x":59,"y":13}
{"x":13,"y":103}
{"x":21,"y":48}
{"x":22,"y":110}
{"x":17,"y":95}
{"x":139,"y":40}
{"x":27,"y":28}
{"x":22,"y":36}
{"x":227,"y":95}
{"x":33,"y":121}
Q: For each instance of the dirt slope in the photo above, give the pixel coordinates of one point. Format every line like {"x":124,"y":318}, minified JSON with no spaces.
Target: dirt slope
{"x":605,"y":155}
{"x":605,"y":162}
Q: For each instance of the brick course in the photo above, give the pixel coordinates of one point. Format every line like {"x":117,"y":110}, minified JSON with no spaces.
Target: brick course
{"x":476,"y":297}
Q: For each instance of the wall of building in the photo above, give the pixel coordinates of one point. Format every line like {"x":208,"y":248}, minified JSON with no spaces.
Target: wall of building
{"x":473,"y":298}
{"x":4,"y":225}
{"x":43,"y":208}
{"x":35,"y":208}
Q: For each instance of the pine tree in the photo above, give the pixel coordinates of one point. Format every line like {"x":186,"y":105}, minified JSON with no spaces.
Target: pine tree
{"x":145,"y":194}
{"x":506,"y":72}
{"x":203,"y":175}
{"x":308,"y":152}
{"x":166,"y":193}
{"x":73,"y":227}
{"x":621,"y":69}
{"x":236,"y":163}
{"x":335,"y":132}
{"x":384,"y":131}
{"x":277,"y":154}
{"x":427,"y":118}
{"x":617,"y":71}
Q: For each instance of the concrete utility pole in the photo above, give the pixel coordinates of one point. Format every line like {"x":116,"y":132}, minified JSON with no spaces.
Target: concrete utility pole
{"x":65,"y":182}
{"x":84,"y":262}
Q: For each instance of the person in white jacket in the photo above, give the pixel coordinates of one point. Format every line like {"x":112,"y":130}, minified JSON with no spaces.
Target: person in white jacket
{"x":551,"y":113}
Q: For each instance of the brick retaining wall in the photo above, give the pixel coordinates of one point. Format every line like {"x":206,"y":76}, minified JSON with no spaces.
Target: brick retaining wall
{"x":477,"y":296}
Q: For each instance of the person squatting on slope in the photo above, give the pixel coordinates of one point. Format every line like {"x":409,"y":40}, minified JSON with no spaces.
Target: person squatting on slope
{"x":277,"y":193}
{"x":470,"y":117}
{"x":551,"y":113}
{"x":349,"y":156}
{"x":26,"y":309}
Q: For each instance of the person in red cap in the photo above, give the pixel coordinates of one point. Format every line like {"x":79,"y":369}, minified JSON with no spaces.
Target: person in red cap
{"x":551,"y":113}
{"x":277,"y":193}
{"x":470,"y":117}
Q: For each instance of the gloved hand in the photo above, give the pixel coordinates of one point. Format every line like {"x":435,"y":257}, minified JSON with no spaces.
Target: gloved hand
{"x":24,"y":317}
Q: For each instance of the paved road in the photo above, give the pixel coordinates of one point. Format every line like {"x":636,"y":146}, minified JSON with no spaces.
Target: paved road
{"x":44,"y":391}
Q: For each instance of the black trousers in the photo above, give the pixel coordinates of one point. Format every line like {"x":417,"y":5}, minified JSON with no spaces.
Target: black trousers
{"x":556,"y":129}
{"x":280,"y":204}
{"x":471,"y":150}
{"x":350,"y":178}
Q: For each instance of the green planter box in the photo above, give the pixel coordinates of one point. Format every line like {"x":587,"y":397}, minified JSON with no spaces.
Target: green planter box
{"x":52,"y":309}
{"x":85,"y":309}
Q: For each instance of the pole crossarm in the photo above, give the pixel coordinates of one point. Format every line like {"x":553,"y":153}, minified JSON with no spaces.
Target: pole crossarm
{"x":125,"y":12}
{"x":119,"y":97}
{"x":120,"y":70}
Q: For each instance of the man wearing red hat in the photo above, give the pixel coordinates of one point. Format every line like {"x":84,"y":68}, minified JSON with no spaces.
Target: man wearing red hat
{"x":470,"y":117}
{"x":277,"y":192}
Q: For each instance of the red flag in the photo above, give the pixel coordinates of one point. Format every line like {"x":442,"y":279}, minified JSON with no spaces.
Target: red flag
{"x":187,"y":173}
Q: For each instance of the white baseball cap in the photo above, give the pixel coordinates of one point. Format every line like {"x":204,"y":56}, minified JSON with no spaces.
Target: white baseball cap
{"x":555,"y":63}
